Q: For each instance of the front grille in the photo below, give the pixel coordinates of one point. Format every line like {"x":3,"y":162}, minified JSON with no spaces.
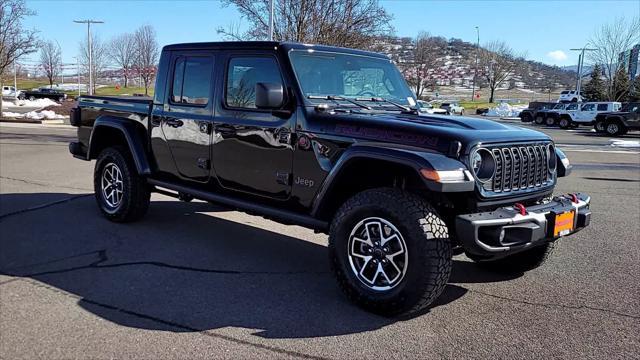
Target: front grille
{"x":520,"y":167}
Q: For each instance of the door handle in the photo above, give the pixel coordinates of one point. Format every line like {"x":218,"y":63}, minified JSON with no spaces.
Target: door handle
{"x":174,"y":123}
{"x":225,"y":130}
{"x":155,"y":121}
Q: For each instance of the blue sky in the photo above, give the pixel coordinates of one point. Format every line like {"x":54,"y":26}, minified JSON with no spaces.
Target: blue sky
{"x":545,"y":30}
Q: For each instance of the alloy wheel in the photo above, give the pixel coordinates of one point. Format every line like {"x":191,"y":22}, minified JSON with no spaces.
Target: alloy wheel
{"x":377,"y":254}
{"x":613,"y":128}
{"x":111,"y":185}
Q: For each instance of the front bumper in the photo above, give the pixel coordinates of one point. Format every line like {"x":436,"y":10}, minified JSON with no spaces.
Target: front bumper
{"x":506,"y":230}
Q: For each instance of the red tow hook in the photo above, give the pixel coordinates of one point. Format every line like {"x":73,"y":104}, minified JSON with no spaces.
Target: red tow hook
{"x":574,"y":198}
{"x":520,"y":208}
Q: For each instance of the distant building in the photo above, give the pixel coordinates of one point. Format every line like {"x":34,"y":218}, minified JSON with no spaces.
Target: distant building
{"x":630,"y":59}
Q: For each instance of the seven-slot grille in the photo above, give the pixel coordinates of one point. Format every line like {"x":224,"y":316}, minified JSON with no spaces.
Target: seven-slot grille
{"x":519,"y":168}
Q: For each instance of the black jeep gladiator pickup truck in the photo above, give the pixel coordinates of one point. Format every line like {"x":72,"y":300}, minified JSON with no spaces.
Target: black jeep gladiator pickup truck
{"x":619,"y":122}
{"x":331,"y":139}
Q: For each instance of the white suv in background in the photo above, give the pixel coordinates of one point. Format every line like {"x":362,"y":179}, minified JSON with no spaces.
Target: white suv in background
{"x":569,"y":96}
{"x":10,"y":92}
{"x":586,"y":115}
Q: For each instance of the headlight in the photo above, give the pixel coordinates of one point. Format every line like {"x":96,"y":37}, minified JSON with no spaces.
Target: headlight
{"x":551,"y":155}
{"x":483,"y":164}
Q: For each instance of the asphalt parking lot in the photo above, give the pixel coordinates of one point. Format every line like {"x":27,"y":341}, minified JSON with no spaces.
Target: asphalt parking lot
{"x":198,"y":281}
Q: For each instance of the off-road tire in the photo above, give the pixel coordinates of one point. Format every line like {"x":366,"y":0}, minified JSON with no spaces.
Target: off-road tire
{"x":526,"y":118}
{"x":462,"y":112}
{"x":135,"y":190}
{"x":550,"y":121}
{"x":600,"y":127}
{"x":539,"y":120}
{"x":564,"y":123}
{"x":520,"y":262}
{"x":427,"y":244}
{"x":615,"y":128}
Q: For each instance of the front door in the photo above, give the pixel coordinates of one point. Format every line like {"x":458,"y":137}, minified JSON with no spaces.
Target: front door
{"x":251,"y":148}
{"x":187,"y":117}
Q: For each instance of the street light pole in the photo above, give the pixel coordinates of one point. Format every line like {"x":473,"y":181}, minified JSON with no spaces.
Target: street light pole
{"x":580,"y":64}
{"x":78,"y":72}
{"x":89,"y":22}
{"x":475,"y":72}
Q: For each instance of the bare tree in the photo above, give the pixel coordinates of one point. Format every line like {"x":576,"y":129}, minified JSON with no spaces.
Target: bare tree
{"x":147,"y":51}
{"x":51,"y":60}
{"x":609,"y":41}
{"x":99,"y":57}
{"x":497,"y":63}
{"x":15,"y":40}
{"x":122,"y":50}
{"x":348,"y":23}
{"x":424,"y":60}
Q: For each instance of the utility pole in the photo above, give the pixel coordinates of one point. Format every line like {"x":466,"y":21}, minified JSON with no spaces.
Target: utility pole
{"x":475,"y":73}
{"x":271,"y":9}
{"x":78,"y":72}
{"x":89,"y":22}
{"x":15,"y":79}
{"x":580,"y":64}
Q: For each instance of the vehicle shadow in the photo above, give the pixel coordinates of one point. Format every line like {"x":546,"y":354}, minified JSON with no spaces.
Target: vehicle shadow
{"x":184,"y":268}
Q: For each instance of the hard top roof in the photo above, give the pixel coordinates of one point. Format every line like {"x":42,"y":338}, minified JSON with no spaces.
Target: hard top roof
{"x":267,"y":45}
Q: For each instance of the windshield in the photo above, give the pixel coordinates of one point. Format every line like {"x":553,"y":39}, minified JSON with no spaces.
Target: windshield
{"x":351,"y":76}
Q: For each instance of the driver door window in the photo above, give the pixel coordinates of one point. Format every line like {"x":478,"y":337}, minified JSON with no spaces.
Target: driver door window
{"x":242,"y":76}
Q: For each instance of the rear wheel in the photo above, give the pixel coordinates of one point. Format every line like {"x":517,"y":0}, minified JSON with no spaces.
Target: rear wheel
{"x":520,"y":262}
{"x":122,"y":195}
{"x":539,"y":120}
{"x":31,"y":98}
{"x":462,"y":112}
{"x":526,"y":118}
{"x":390,"y":251}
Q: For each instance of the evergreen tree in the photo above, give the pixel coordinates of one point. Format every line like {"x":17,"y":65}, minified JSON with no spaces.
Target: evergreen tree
{"x":595,"y":89}
{"x":621,"y":85}
{"x":634,"y":94}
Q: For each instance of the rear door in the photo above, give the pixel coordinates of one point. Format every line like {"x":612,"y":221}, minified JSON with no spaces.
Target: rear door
{"x":186,"y":118}
{"x":251,"y":148}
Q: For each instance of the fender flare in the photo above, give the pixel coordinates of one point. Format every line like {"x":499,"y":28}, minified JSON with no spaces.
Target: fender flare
{"x":130,"y":130}
{"x":417,"y":159}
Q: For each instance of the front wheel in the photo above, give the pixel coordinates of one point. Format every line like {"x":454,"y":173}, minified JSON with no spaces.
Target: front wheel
{"x":390,"y":251}
{"x":550,"y":121}
{"x":564,"y":123}
{"x":600,"y":126}
{"x":461,"y":112}
{"x":32,"y":98}
{"x":121,"y":193}
{"x":614,"y":128}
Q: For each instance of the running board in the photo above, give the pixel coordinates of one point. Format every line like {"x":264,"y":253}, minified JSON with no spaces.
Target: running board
{"x":279,"y":215}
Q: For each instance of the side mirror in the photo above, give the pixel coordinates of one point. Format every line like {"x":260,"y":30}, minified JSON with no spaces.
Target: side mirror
{"x":269,"y":96}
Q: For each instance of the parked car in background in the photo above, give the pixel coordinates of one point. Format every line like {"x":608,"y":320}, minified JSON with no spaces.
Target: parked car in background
{"x":586,"y":114}
{"x":452,"y":107}
{"x":551,"y":117}
{"x":530,"y":113}
{"x":427,"y":108}
{"x":10,"y":92}
{"x":600,"y":125}
{"x":619,"y":123}
{"x":570,"y":96}
{"x":44,"y":93}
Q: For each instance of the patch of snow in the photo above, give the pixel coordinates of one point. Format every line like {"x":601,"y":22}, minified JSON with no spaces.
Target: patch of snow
{"x":624,"y":143}
{"x":37,"y":103}
{"x":44,"y":114}
{"x":506,"y":110}
{"x":11,"y":114}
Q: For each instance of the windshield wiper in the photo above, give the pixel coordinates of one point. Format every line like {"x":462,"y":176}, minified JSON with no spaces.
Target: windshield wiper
{"x":339,"y":98}
{"x":406,"y":109}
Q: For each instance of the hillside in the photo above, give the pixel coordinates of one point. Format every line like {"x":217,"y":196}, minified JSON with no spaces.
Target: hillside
{"x":456,"y":64}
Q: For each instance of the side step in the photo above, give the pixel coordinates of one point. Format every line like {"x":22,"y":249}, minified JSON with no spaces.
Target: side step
{"x":284,"y":216}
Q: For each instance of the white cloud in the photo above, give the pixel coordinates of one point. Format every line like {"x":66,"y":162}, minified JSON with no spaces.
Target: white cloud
{"x":557,"y":55}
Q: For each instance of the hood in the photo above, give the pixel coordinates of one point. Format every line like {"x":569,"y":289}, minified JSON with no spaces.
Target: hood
{"x":431,"y":131}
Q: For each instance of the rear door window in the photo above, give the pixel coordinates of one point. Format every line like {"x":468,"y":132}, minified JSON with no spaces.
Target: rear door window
{"x":192,"y":80}
{"x":602,"y":107}
{"x":588,"y":107}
